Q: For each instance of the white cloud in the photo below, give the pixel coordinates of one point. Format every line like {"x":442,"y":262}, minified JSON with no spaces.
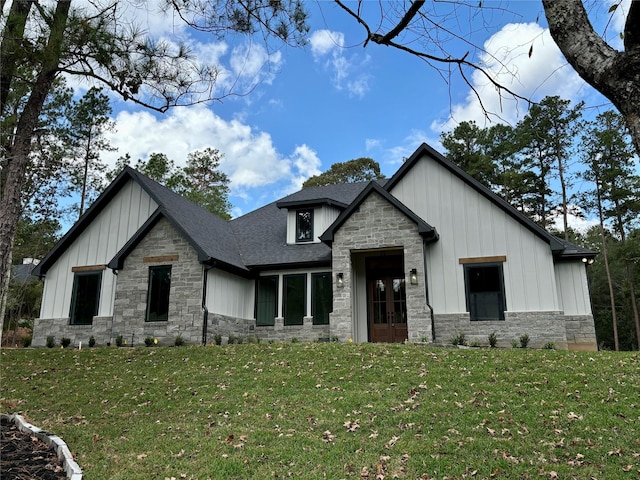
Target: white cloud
{"x":324,"y":41}
{"x":576,"y":220}
{"x":250,"y":158}
{"x":347,"y":72}
{"x":507,"y":60}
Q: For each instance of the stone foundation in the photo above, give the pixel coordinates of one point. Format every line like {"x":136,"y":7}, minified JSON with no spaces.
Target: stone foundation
{"x":563,"y":331}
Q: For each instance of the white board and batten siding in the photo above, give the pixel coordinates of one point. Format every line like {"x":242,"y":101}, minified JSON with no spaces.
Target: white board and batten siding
{"x":230,"y":295}
{"x":97,"y":245}
{"x":323,"y":217}
{"x":571,"y":278}
{"x":470,"y":226}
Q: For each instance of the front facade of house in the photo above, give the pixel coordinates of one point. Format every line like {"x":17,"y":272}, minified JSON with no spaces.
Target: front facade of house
{"x":424,"y":256}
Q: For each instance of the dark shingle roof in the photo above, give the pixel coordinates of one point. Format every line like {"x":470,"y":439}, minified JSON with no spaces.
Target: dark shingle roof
{"x":340,"y":195}
{"x":209,"y":234}
{"x":262,"y":234}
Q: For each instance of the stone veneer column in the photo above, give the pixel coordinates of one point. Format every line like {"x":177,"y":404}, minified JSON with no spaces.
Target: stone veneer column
{"x":378,"y":225}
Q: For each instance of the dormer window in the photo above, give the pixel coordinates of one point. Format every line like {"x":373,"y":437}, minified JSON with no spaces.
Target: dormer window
{"x":304,"y":225}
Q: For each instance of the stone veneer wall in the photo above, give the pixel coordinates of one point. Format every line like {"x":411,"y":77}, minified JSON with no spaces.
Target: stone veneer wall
{"x":59,"y":328}
{"x":542,"y":328}
{"x":378,"y":225}
{"x":581,"y":332}
{"x":185,"y":295}
{"x":246,"y":329}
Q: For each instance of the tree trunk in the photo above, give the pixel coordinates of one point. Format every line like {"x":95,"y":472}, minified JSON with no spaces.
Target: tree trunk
{"x":605,"y":254}
{"x":11,"y":40}
{"x":15,"y":165}
{"x":614,"y":74}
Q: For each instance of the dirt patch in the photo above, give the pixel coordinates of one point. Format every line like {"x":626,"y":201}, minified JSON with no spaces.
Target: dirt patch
{"x":25,"y":457}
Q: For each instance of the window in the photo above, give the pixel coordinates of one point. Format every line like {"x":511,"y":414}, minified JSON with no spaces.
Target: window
{"x":158,"y":293}
{"x":294,"y":299}
{"x":266,"y":301}
{"x":304,"y":225}
{"x":485,"y":291}
{"x":85,"y":297}
{"x":321,"y":297}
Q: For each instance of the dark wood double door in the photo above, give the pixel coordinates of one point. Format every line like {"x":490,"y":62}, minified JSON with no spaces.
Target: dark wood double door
{"x":386,"y":298}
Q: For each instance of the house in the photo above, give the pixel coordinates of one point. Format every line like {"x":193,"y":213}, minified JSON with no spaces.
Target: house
{"x":423,"y":256}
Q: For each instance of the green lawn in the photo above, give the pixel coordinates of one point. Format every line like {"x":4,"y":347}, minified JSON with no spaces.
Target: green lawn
{"x":329,"y":410}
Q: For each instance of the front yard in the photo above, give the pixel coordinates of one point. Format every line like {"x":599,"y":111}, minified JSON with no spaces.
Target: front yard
{"x":330,"y":410}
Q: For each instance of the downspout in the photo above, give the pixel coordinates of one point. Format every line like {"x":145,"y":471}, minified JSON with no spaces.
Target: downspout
{"x":205,"y":310}
{"x":426,"y":291}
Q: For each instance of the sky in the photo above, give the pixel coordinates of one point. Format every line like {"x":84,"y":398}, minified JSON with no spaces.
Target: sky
{"x":301,"y":109}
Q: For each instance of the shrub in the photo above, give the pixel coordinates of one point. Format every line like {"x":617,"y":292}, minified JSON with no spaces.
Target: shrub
{"x":119,"y":341}
{"x":217,"y":338}
{"x":65,"y":342}
{"x":51,"y":341}
{"x":179,"y":341}
{"x":514,"y":343}
{"x":294,"y":340}
{"x":92,"y":341}
{"x":231,"y":340}
{"x":459,"y":339}
{"x":549,"y":346}
{"x":239,"y":340}
{"x":148,"y":341}
{"x":493,"y":340}
{"x":524,"y":340}
{"x":26,"y":341}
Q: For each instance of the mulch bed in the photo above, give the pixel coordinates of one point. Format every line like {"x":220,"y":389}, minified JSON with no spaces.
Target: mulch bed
{"x":24,"y":457}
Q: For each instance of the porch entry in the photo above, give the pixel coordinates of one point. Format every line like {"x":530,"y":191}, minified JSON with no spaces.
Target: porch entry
{"x":386,"y":299}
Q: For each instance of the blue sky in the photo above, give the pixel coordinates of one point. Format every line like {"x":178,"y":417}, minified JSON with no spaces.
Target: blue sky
{"x":334,"y":100}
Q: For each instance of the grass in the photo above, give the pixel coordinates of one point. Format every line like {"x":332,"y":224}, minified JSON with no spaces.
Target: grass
{"x":329,"y":410}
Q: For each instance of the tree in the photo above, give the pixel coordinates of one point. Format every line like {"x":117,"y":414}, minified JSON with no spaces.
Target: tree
{"x":357,"y":170}
{"x":203,"y":183}
{"x":613,"y":73}
{"x":92,"y":42}
{"x":610,"y":158}
{"x":88,"y":121}
{"x":547,"y":136}
{"x":467,"y":146}
{"x":199,"y":181}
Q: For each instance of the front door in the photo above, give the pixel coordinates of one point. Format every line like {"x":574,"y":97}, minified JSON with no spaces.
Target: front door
{"x":387,"y":310}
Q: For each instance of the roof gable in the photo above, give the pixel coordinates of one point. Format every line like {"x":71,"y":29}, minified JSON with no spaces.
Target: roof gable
{"x":85,"y":220}
{"x":424,"y":229}
{"x":558,"y":247}
{"x":210,"y":235}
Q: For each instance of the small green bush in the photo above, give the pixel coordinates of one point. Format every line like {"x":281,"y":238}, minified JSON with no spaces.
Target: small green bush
{"x":51,"y":341}
{"x":549,"y":346}
{"x":294,"y":340}
{"x":514,"y":343}
{"x":459,"y":339}
{"x":231,"y":340}
{"x":179,"y":341}
{"x":119,"y":341}
{"x":148,"y":341}
{"x":524,"y":341}
{"x":26,"y":341}
{"x":92,"y":341}
{"x":217,"y":338}
{"x":493,"y":340}
{"x":65,"y":342}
